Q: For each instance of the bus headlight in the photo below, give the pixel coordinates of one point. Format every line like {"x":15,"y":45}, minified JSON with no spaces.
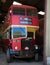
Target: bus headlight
{"x":36,"y":46}
{"x":26,"y":48}
{"x":16,"y":47}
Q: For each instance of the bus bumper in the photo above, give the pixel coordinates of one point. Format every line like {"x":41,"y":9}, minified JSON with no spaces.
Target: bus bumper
{"x":20,"y":54}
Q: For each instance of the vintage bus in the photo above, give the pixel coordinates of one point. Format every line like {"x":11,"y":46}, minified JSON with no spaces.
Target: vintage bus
{"x":18,"y":31}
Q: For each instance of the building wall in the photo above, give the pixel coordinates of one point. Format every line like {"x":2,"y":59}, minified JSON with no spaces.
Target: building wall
{"x":47,"y":40}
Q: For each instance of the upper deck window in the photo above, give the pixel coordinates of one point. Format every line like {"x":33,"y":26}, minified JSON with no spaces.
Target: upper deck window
{"x":18,"y":11}
{"x":31,"y":12}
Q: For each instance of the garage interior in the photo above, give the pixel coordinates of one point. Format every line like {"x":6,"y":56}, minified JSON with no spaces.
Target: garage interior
{"x":40,"y":5}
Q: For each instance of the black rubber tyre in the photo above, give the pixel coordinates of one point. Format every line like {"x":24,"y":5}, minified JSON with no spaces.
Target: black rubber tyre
{"x":8,"y":55}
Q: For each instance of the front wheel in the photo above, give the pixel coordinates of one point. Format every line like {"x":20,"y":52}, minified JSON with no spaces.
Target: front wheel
{"x":8,"y":55}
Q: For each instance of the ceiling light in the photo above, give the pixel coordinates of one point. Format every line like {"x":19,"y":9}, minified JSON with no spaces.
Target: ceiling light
{"x":16,"y":3}
{"x":41,"y":13}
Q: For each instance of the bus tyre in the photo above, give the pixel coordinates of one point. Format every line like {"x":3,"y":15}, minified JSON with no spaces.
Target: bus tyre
{"x":8,"y":56}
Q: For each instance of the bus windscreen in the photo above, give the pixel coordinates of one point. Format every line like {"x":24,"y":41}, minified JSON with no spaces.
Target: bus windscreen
{"x":19,"y":32}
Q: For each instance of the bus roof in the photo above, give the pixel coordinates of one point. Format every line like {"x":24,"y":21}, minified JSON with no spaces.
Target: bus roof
{"x":22,"y":6}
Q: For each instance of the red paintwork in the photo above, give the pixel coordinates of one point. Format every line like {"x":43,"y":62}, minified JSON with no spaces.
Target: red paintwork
{"x":18,"y":44}
{"x":5,"y":43}
{"x":15,"y":20}
{"x":21,"y":6}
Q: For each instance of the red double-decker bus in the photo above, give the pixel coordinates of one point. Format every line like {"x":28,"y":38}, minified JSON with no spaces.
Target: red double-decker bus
{"x":19,"y":29}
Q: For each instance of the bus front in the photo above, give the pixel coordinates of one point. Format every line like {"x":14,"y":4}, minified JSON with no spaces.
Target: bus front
{"x":23,"y":27}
